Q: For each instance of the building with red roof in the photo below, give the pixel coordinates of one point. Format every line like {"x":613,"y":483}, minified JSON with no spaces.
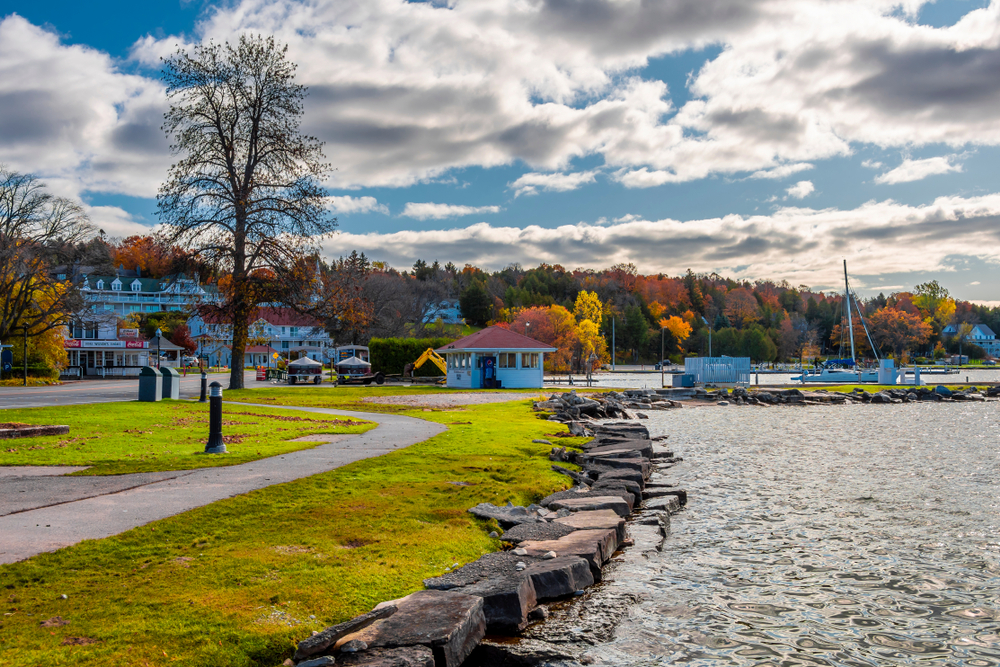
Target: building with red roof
{"x":495,"y":358}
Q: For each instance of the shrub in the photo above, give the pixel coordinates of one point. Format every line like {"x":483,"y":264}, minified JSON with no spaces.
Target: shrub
{"x":390,"y":355}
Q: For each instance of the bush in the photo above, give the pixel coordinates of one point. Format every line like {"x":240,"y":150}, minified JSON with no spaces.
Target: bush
{"x":390,"y":355}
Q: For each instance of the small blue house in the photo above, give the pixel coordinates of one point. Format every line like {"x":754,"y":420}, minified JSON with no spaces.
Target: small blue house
{"x":495,"y":358}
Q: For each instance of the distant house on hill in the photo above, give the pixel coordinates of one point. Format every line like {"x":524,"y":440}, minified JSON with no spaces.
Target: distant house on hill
{"x":495,"y":358}
{"x":980,"y":335}
{"x":272,"y":329}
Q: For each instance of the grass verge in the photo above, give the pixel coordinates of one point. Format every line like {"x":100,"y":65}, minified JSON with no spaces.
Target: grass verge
{"x":116,"y":438}
{"x":237,"y":583}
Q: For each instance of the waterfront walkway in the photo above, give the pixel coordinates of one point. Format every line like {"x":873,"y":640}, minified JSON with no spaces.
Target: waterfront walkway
{"x":46,"y":512}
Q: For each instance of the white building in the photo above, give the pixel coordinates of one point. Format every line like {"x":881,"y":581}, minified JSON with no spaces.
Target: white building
{"x":126,"y":292}
{"x":289,"y":333}
{"x":980,"y":335}
{"x":495,"y":358}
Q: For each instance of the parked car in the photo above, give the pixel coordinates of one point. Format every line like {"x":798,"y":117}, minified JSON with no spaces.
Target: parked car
{"x":190,"y":361}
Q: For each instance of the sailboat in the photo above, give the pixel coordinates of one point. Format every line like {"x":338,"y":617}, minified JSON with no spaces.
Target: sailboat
{"x":844,"y":370}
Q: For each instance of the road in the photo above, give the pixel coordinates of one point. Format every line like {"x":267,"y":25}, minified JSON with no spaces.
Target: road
{"x":101,"y":391}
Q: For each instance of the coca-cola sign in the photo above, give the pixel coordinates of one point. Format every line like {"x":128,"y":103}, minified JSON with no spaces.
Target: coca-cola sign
{"x":135,"y":344}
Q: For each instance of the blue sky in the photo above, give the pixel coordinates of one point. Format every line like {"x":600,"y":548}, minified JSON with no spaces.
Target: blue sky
{"x":756,"y":138}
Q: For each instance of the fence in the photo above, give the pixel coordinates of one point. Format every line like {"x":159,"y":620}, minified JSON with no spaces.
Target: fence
{"x":719,"y":370}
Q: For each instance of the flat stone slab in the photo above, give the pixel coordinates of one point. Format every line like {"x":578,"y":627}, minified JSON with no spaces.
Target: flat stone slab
{"x":559,"y":577}
{"x":506,"y":516}
{"x":409,"y":656}
{"x":506,"y":602}
{"x":663,"y":491}
{"x":574,"y":494}
{"x":669,"y":503}
{"x":624,"y":449}
{"x":604,"y":474}
{"x":536,"y":531}
{"x":449,"y":624}
{"x":615,"y":503}
{"x":10,"y":430}
{"x":639,"y":464}
{"x":594,"y":546}
{"x":595,"y":520}
{"x":320,"y":642}
{"x":618,"y":487}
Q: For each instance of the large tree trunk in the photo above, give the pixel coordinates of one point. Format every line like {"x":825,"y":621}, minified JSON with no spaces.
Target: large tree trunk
{"x":242,"y":309}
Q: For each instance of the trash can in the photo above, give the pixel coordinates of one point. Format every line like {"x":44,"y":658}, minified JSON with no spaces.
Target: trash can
{"x":683,"y":380}
{"x":171,"y":383}
{"x":150,"y":384}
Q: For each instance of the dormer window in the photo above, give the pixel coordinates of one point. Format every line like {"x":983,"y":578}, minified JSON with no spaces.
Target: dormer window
{"x":100,"y":284}
{"x":136,"y":285}
{"x":86,"y":283}
{"x":116,"y":285}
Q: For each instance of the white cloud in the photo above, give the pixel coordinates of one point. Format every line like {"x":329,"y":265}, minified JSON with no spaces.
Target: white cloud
{"x":403,"y":92}
{"x":761,"y":245}
{"x":915,"y":170}
{"x":116,"y":222}
{"x":872,"y":164}
{"x":530,"y":184}
{"x":784,"y":171}
{"x":800,"y":190}
{"x":348,"y":204}
{"x":427,"y":210}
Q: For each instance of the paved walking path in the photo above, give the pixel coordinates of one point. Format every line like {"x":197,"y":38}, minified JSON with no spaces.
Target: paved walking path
{"x":40,"y":513}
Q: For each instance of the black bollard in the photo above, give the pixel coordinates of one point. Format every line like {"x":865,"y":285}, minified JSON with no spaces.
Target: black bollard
{"x":215,"y":444}
{"x":204,"y":387}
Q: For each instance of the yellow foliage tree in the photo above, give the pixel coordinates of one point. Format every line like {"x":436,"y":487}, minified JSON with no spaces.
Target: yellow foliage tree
{"x":678,"y":328}
{"x":592,"y":343}
{"x":588,"y":307}
{"x":656,"y":309}
{"x":45,"y":348}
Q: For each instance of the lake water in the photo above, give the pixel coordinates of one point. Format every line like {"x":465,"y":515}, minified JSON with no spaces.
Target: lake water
{"x":850,"y":535}
{"x":652,"y":380}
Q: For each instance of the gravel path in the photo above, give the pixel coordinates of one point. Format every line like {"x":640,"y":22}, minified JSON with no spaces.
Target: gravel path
{"x":452,"y":400}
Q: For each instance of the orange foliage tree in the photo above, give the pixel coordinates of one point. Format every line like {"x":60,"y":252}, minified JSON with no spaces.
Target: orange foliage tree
{"x":678,"y":329}
{"x":899,"y":329}
{"x":741,"y":307}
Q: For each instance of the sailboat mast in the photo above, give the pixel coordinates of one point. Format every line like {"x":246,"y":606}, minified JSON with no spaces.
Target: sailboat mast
{"x":847,"y":303}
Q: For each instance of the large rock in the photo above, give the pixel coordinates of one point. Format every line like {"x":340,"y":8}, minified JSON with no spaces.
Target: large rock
{"x":576,"y":494}
{"x":596,"y":520}
{"x":594,"y":546}
{"x":522,"y":653}
{"x":410,"y":656}
{"x":604,"y":474}
{"x":491,"y":565}
{"x":319,"y":643}
{"x":506,"y":602}
{"x":615,"y":503}
{"x":559,"y":577}
{"x":449,"y":624}
{"x":613,"y":487}
{"x":536,"y":531}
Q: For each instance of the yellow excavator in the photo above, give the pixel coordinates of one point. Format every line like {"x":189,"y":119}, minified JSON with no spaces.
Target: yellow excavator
{"x":428,"y":355}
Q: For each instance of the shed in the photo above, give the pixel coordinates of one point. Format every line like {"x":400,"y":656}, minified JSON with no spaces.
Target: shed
{"x":495,"y":358}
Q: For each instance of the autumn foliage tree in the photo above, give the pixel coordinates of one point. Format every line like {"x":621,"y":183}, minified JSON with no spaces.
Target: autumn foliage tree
{"x":898,"y":329}
{"x":245,"y":194}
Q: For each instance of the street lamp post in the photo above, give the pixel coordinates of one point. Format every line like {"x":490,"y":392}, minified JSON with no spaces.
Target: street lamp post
{"x":158,"y":334}
{"x":709,"y":335}
{"x":527,"y":325}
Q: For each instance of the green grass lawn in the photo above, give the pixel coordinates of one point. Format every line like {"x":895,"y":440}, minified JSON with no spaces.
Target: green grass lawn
{"x":117,"y":438}
{"x":239,"y":582}
{"x":352,"y":397}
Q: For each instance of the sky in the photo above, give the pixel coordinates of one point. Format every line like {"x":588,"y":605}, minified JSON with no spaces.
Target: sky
{"x":760,"y":139}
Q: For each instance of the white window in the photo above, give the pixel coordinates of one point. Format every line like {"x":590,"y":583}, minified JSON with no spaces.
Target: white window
{"x":136,"y":286}
{"x":529,"y":360}
{"x":507,"y":360}
{"x":116,"y":285}
{"x":100,"y":284}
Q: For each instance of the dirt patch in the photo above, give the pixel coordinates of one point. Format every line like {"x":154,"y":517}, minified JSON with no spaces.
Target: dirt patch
{"x":448,"y":400}
{"x":79,"y":641}
{"x":54,"y":622}
{"x":292,"y":549}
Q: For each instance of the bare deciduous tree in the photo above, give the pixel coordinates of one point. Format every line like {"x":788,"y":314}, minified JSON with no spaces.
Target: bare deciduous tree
{"x":245,"y":194}
{"x":37,"y":231}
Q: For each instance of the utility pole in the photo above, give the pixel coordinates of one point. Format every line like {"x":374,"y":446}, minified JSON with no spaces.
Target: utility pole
{"x":661,"y":358}
{"x":612,"y":345}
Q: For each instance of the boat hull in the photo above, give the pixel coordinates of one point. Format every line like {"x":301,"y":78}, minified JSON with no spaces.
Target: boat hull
{"x":829,"y":375}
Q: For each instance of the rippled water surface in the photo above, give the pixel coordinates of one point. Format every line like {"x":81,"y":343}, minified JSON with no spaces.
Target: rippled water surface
{"x":855,"y":535}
